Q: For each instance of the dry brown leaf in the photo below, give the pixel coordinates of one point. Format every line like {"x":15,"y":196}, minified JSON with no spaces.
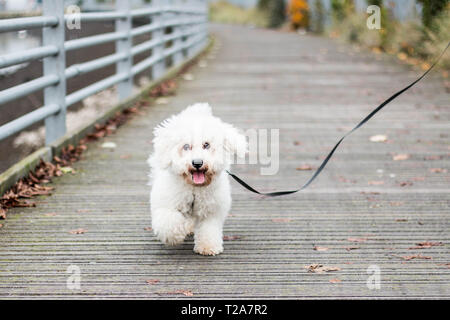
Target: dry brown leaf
{"x":438,"y":170}
{"x":376,"y":182}
{"x":401,"y":220}
{"x":148,"y":229}
{"x":400,"y":157}
{"x":415,"y":256}
{"x":304,"y":167}
{"x":335,"y":280}
{"x":152,"y":281}
{"x":406,"y":183}
{"x":78,"y":231}
{"x":229,"y":238}
{"x":426,"y":245}
{"x":319,"y":268}
{"x":351,"y":248}
{"x":187,"y":293}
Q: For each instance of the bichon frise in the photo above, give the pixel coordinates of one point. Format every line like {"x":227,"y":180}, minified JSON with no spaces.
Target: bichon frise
{"x":190,"y":187}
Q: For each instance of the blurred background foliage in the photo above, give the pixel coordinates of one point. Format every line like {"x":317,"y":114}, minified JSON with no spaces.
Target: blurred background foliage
{"x":416,"y":40}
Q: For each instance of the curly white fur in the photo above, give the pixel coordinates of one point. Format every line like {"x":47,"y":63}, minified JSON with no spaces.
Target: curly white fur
{"x":185,"y":199}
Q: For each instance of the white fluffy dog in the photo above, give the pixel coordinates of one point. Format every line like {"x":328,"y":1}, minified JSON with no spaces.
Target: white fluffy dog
{"x":190,"y":188}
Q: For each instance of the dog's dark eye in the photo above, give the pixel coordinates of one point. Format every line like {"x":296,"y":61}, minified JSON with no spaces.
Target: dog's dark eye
{"x":206,"y":145}
{"x":186,"y":147}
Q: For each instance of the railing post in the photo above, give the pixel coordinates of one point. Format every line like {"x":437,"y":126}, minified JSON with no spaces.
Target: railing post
{"x":55,"y":125}
{"x":178,"y":56}
{"x":159,"y":67}
{"x":191,"y":50}
{"x":125,"y":87}
{"x":204,"y":43}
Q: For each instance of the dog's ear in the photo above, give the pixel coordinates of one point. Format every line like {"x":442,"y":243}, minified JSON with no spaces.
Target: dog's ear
{"x":235,"y":143}
{"x":162,"y":144}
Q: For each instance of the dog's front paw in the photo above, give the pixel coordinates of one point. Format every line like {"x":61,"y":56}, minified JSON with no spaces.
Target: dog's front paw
{"x":171,"y":228}
{"x":208,"y":249}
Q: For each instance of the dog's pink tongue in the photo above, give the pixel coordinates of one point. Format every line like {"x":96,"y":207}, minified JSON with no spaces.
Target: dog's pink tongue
{"x":198,"y":177}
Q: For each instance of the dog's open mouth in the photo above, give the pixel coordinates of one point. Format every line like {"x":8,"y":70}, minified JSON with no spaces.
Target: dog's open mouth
{"x":198,"y":176}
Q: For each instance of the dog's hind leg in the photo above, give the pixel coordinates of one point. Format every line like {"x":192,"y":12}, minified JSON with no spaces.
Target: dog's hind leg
{"x":170,"y":226}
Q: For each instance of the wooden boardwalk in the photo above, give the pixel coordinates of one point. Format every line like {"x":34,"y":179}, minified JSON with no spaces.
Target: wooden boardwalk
{"x":366,"y":209}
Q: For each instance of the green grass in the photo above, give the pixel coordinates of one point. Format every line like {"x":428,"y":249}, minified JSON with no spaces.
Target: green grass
{"x":224,"y":12}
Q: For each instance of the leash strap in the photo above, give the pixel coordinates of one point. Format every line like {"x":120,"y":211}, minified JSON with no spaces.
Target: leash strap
{"x":324,"y":163}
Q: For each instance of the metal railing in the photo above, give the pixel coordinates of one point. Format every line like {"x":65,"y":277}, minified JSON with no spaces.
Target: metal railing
{"x":186,"y":18}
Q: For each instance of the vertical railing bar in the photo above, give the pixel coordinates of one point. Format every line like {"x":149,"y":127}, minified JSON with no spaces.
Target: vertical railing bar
{"x":124,"y":25}
{"x":178,"y":42}
{"x":159,"y":67}
{"x":55,"y":125}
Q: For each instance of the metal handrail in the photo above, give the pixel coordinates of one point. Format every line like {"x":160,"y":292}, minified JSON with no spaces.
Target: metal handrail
{"x":187,"y":18}
{"x":8,"y":25}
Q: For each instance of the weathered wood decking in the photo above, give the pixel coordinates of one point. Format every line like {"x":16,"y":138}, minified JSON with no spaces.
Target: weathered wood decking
{"x":312,"y":90}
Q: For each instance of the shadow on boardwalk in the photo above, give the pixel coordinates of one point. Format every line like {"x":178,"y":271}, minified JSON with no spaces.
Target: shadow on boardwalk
{"x":366,"y":208}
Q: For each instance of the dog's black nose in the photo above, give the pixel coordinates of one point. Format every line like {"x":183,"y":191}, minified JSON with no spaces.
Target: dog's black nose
{"x":197,"y":163}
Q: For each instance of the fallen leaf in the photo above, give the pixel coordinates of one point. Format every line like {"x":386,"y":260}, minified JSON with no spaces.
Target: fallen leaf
{"x":78,"y":231}
{"x":401,"y":220}
{"x":357,"y":239}
{"x":335,"y":280}
{"x":148,"y":228}
{"x":415,"y":256}
{"x":376,"y":182}
{"x":400,"y":157}
{"x":438,"y":170}
{"x":379,"y":138}
{"x":319,"y":268}
{"x":406,"y":183}
{"x":444,"y":264}
{"x":152,"y":281}
{"x":187,"y":293}
{"x":426,"y":245}
{"x":317,"y":248}
{"x":125,"y":156}
{"x":297,"y":143}
{"x":229,"y":238}
{"x":351,"y":248}
{"x":304,"y":167}
{"x":281,"y":220}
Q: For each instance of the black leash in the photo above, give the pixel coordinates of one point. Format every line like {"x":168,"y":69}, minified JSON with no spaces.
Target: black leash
{"x":324,"y":163}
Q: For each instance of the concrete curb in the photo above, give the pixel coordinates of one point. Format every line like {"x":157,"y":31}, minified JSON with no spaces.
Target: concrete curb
{"x":29,"y":163}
